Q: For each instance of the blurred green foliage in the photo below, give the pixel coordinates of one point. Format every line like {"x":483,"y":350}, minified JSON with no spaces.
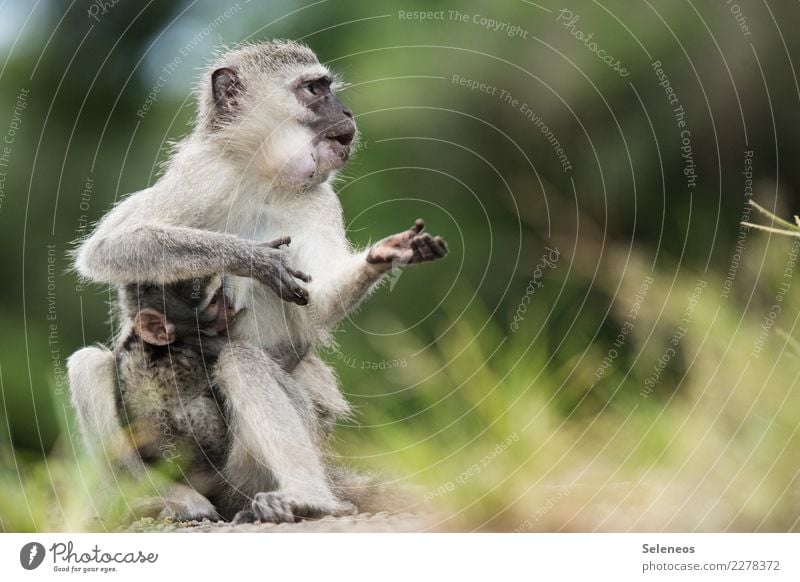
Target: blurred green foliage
{"x":439,"y":378}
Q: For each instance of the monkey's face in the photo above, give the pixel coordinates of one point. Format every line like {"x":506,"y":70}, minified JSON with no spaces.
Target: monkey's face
{"x":315,"y":133}
{"x":275,"y":105}
{"x":332,"y":123}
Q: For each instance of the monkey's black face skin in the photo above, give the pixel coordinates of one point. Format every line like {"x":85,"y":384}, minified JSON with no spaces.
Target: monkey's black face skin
{"x":334,"y":125}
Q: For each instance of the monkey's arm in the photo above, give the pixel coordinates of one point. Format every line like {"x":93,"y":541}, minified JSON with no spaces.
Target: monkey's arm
{"x":156,"y":253}
{"x":357,"y":275}
{"x":335,"y":297}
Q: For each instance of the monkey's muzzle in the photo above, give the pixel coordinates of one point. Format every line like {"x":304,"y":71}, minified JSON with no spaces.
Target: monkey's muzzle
{"x":340,"y":137}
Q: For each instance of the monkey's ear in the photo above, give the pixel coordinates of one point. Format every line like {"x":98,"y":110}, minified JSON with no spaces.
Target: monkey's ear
{"x":152,"y":326}
{"x":225,"y":89}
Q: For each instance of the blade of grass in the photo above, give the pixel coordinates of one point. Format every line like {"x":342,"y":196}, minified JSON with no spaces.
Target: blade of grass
{"x":774,"y":218}
{"x":772,"y":229}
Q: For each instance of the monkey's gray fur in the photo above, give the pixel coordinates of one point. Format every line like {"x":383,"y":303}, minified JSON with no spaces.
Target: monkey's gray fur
{"x":269,"y":137}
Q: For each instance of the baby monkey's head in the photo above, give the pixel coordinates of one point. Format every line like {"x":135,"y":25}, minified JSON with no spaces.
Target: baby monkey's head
{"x":184,"y":311}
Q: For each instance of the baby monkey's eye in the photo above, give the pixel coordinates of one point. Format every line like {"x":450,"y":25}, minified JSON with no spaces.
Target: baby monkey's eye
{"x":310,"y":88}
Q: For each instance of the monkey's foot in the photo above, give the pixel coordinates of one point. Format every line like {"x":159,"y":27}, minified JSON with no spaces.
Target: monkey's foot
{"x":276,"y":507}
{"x":186,"y":509}
{"x":189,"y":511}
{"x":184,"y":513}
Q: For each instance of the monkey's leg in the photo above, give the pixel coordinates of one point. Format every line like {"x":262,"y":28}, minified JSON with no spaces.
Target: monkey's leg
{"x":274,"y":461}
{"x":317,"y":379}
{"x":92,"y":380}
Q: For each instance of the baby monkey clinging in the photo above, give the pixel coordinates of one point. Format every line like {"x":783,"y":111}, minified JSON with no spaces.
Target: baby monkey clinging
{"x":167,"y":394}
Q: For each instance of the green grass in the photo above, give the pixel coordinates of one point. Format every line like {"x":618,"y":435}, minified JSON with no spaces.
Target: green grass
{"x":713,"y":447}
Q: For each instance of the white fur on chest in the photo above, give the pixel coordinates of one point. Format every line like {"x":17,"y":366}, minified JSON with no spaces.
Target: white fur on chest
{"x":314,"y":222}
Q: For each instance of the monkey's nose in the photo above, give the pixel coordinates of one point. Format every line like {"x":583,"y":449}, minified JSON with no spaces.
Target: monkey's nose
{"x":347,"y":113}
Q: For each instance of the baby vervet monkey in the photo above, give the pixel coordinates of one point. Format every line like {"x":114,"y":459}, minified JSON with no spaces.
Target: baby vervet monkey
{"x":167,"y":400}
{"x":269,"y":137}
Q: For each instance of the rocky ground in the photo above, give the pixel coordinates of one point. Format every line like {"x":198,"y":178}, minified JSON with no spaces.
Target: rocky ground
{"x":362,"y":523}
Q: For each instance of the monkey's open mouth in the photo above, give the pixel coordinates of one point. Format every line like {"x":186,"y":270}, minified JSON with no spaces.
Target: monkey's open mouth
{"x":339,"y":142}
{"x":345,"y":138}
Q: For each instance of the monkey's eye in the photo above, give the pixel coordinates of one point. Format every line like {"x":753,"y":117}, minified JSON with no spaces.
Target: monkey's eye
{"x":310,"y":88}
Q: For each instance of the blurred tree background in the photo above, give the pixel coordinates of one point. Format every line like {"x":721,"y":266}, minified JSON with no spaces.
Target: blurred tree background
{"x":605,"y":347}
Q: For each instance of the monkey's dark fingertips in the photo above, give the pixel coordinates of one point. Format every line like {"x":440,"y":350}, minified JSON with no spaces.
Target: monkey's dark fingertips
{"x":428,"y":248}
{"x":298,"y":295}
{"x":421,"y":245}
{"x":440,"y":247}
{"x":280,"y":242}
{"x":288,"y":291}
{"x":419,"y":225}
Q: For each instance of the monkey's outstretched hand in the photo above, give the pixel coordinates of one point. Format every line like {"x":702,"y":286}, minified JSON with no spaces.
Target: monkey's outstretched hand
{"x":270,"y":265}
{"x":408,"y":247}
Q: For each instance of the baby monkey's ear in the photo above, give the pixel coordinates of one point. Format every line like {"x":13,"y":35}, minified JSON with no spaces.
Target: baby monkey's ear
{"x":152,"y":326}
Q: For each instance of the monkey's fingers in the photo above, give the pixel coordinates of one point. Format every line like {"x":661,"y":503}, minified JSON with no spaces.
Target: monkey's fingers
{"x":285,"y":287}
{"x":428,"y":248}
{"x":278,"y":242}
{"x":297,"y":296}
{"x":300,"y":275}
{"x":418,"y":227}
{"x":290,"y":290}
{"x":420,"y":244}
{"x":440,"y":247}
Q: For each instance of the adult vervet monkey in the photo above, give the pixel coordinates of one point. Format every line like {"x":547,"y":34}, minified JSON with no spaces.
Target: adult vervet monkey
{"x":269,"y":136}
